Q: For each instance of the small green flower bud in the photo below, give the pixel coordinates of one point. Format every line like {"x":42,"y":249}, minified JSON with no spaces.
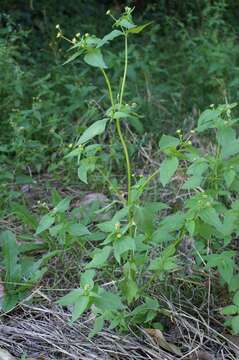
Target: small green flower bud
{"x":58,"y":27}
{"x":108,"y":12}
{"x":117,"y":226}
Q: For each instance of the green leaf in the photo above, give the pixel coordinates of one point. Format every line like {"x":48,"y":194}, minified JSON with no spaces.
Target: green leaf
{"x":109,"y":226}
{"x":62,"y":206}
{"x":9,"y":301}
{"x":136,"y":124}
{"x":230,"y":310}
{"x":227,"y":139}
{"x":73,"y":57}
{"x":95,"y":129}
{"x":98,"y":326}
{"x":192,"y":183}
{"x":234,"y":283}
{"x":107,"y":38}
{"x":70,"y":298}
{"x":87,"y":278}
{"x":45,"y":223}
{"x":100,"y":257}
{"x":57,"y":229}
{"x":168,"y":141}
{"x":235,"y":324}
{"x":10,"y":256}
{"x":198,"y":167}
{"x":226,"y":269}
{"x":167,"y":170}
{"x":86,"y":165}
{"x":230,"y":149}
{"x":229,"y":223}
{"x":130,"y":289}
{"x":236,"y":298}
{"x":211,"y":217}
{"x":126,"y":23}
{"x":108,"y":301}
{"x":95,"y":58}
{"x":173,"y":222}
{"x":78,"y":230}
{"x":76,"y":152}
{"x":208,"y":119}
{"x":190,"y":226}
{"x":225,"y":264}
{"x":166,"y":261}
{"x":138,"y":29}
{"x":229,"y":177}
{"x":79,"y":307}
{"x":123,"y":245}
{"x":144,"y":219}
{"x":25,"y":216}
{"x":162,"y":235}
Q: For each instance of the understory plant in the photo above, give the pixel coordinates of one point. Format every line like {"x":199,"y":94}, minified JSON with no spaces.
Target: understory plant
{"x":145,"y":244}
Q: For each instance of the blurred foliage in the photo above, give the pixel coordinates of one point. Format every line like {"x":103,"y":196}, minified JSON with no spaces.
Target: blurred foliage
{"x":186,"y":60}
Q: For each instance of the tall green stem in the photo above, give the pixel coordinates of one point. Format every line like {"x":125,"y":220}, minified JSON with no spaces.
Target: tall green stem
{"x":125,"y":68}
{"x":118,"y":127}
{"x":129,"y":172}
{"x":109,"y":88}
{"x":126,"y":158}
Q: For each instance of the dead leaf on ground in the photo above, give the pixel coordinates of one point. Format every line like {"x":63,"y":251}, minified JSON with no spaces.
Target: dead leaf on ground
{"x":160,"y":340}
{"x":200,"y":355}
{"x":5,"y":355}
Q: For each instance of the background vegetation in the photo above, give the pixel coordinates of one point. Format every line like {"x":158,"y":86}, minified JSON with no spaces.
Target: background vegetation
{"x":186,"y":61}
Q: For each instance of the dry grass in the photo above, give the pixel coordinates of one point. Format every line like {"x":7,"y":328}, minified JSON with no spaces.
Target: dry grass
{"x":45,"y":332}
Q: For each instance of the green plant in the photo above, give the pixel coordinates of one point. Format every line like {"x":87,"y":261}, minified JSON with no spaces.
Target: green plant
{"x":130,"y":239}
{"x":128,"y":259}
{"x":20,"y":273}
{"x":125,"y":236}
